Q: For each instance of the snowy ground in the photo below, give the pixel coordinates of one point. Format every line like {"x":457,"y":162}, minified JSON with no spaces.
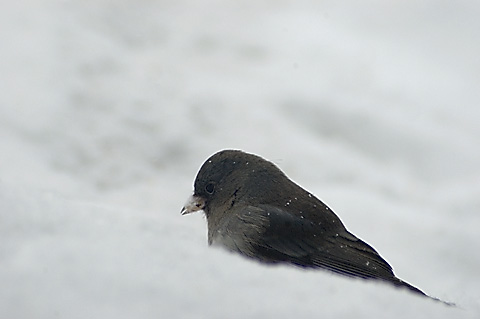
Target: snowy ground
{"x":108,"y":109}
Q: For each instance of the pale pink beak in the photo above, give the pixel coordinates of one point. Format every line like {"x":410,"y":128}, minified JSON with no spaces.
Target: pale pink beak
{"x":193,"y":204}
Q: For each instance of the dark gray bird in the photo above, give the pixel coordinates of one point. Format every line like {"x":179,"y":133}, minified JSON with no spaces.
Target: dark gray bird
{"x":254,"y":209}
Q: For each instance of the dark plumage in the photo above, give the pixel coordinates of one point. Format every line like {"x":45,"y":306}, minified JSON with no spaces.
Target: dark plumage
{"x":253,"y":208}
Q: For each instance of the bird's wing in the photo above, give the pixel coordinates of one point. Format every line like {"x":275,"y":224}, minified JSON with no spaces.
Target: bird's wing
{"x":274,"y":235}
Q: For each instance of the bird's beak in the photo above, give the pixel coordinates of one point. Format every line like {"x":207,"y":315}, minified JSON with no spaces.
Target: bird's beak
{"x":193,"y":204}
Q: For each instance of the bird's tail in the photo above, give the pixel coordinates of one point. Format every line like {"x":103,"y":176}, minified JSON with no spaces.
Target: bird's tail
{"x":403,"y":284}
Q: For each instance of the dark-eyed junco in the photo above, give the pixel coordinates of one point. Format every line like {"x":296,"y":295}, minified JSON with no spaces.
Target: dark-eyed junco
{"x":254,"y":209}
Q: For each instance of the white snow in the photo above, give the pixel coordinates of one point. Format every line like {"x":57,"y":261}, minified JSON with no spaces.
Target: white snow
{"x":108,"y":109}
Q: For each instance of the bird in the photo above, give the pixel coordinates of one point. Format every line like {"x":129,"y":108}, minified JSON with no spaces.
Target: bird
{"x":254,"y":209}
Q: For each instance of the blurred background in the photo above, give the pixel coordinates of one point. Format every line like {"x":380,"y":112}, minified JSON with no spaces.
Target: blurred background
{"x":110,"y":106}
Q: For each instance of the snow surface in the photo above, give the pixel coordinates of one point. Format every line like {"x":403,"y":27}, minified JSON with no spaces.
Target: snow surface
{"x":108,"y":109}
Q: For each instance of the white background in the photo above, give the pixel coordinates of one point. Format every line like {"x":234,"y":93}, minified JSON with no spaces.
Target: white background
{"x":108,"y":109}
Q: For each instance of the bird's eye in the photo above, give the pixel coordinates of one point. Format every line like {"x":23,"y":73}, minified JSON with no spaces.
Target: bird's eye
{"x":210,"y":188}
